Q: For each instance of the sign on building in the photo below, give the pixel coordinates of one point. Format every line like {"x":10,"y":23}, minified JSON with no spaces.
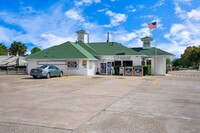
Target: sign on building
{"x":109,"y":68}
{"x":138,"y":71}
{"x":72,"y":64}
{"x":109,"y":65}
{"x":128,"y":71}
{"x":84,"y":63}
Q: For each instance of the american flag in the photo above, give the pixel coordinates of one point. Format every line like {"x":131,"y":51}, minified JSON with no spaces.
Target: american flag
{"x":152,"y":25}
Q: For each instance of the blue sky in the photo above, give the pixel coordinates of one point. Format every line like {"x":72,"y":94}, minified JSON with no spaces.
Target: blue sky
{"x":45,"y":23}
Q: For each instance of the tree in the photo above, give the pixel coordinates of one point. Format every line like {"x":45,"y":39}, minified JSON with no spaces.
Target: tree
{"x":35,"y":49}
{"x":17,"y":48}
{"x":195,"y":55}
{"x":3,"y":49}
{"x":168,"y":61}
{"x":185,"y":57}
{"x":176,"y":62}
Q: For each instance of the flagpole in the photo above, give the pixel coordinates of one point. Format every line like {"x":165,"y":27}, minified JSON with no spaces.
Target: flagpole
{"x":156,"y":48}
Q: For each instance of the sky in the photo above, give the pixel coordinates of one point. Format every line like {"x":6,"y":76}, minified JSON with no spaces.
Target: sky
{"x":45,"y":23}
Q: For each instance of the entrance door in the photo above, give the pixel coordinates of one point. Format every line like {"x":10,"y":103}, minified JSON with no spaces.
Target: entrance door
{"x":103,"y":67}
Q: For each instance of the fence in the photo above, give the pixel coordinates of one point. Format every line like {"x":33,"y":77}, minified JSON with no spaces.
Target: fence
{"x":13,"y":70}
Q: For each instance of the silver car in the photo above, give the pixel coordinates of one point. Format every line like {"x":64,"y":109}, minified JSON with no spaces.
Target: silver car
{"x":46,"y":71}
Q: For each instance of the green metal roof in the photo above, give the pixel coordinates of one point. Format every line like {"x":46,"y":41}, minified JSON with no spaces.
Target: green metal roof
{"x":151,"y":51}
{"x":111,"y":48}
{"x":80,"y":50}
{"x":87,"y":47}
{"x":67,"y":50}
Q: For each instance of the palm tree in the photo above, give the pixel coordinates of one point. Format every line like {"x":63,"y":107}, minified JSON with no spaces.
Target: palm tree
{"x":17,"y":48}
{"x":22,"y":49}
{"x":3,"y":49}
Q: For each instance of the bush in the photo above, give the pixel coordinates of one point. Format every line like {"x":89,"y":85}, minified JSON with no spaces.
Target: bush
{"x":116,"y":68}
{"x":146,"y":69}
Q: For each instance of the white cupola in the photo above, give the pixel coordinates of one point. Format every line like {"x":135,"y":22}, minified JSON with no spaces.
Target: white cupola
{"x":146,"y":42}
{"x":82,"y":36}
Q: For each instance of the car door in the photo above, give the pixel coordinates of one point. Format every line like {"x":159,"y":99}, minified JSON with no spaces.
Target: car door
{"x":51,"y":70}
{"x":56,"y":71}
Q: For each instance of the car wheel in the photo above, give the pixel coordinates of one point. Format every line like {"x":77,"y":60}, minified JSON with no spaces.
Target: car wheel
{"x":60,"y":75}
{"x":34,"y":77}
{"x":48,"y":75}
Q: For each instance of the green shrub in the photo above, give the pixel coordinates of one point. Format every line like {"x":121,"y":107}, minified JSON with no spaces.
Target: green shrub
{"x":146,"y":69}
{"x":116,"y":68}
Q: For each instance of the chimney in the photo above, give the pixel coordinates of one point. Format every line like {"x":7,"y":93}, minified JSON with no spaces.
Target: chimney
{"x":82,"y":36}
{"x":108,"y":39}
{"x":88,"y":41}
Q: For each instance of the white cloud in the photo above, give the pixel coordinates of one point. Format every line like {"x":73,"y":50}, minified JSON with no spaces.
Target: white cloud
{"x":141,"y":6}
{"x":51,"y":39}
{"x":160,"y":3}
{"x":74,"y":14}
{"x":33,"y":26}
{"x":194,"y":14}
{"x":102,"y":10}
{"x":115,"y":18}
{"x":188,"y":2}
{"x":7,"y":35}
{"x":181,"y":13}
{"x":131,"y":39}
{"x":185,"y":33}
{"x":176,"y":28}
{"x":86,"y":2}
{"x":29,"y":10}
{"x":130,"y":8}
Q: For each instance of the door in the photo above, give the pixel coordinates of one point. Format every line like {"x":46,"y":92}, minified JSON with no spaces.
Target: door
{"x":52,"y":70}
{"x":56,"y":71}
{"x":103,"y":67}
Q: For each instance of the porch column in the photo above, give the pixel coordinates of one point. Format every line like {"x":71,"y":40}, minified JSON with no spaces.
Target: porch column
{"x":158,"y":67}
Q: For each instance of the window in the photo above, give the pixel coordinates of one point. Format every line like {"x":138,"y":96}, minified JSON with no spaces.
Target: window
{"x":43,"y":67}
{"x":127,"y":63}
{"x":51,"y":67}
{"x":117,"y":63}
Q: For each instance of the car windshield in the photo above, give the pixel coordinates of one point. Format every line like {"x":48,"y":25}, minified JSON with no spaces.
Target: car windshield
{"x":43,"y":67}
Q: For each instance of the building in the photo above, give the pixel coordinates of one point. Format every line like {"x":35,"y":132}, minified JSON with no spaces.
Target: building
{"x":9,"y":61}
{"x":81,"y":58}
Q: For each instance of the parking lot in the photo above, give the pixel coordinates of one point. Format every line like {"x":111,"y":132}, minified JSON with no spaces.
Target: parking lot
{"x":96,"y":104}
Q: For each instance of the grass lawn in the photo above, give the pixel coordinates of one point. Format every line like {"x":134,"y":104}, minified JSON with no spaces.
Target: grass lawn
{"x":189,"y":69}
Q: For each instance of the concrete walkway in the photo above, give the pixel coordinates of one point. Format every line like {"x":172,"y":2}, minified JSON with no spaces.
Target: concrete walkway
{"x":100,"y":104}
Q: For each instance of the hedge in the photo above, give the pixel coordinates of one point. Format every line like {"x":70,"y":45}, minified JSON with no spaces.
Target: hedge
{"x":116,"y":68}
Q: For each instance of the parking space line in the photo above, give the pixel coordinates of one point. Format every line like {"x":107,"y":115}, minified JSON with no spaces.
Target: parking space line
{"x":127,"y":80}
{"x":155,"y":81}
{"x":98,"y":80}
{"x":65,"y":78}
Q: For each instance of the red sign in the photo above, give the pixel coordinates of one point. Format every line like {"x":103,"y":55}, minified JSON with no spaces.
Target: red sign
{"x":72,"y":64}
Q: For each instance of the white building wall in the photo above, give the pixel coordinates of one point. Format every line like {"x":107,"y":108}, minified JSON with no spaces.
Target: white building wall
{"x":81,"y":70}
{"x":160,"y":64}
{"x":91,"y":67}
{"x":31,"y":64}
